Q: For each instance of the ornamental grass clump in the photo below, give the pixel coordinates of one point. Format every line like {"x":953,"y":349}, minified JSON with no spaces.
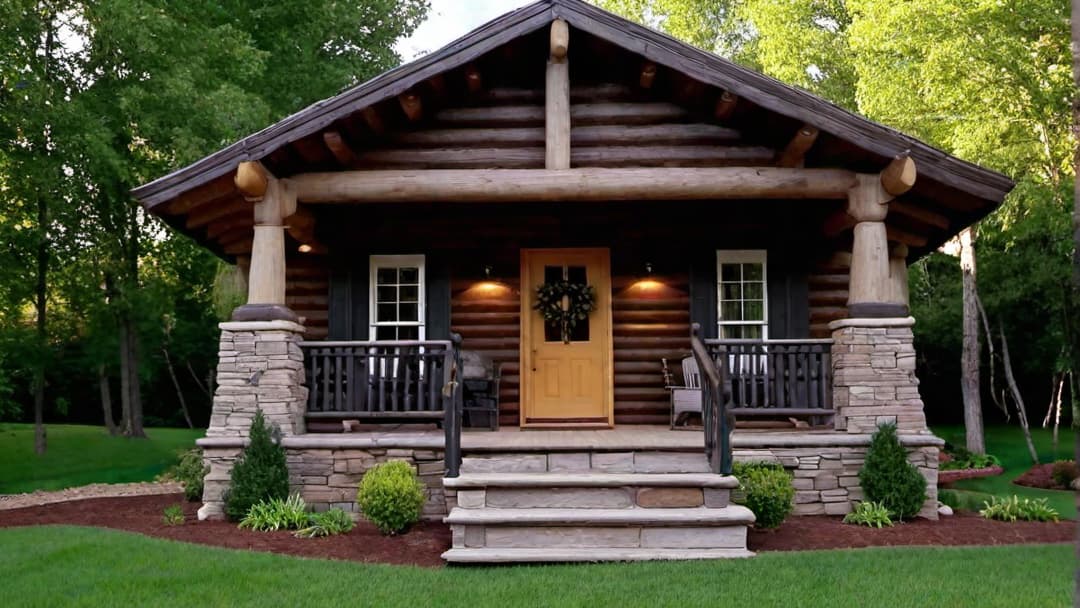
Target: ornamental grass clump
{"x":260,"y":474}
{"x":888,"y":478}
{"x":1015,"y":508}
{"x":327,"y":523}
{"x":391,"y":496}
{"x":277,"y":514}
{"x":766,"y":489}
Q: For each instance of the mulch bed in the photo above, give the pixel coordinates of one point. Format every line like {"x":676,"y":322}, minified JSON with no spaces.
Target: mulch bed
{"x":424,"y":543}
{"x":951,"y":475}
{"x":1039,"y":476}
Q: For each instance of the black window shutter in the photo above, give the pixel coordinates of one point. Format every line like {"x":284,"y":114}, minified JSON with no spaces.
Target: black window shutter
{"x":437,"y":285}
{"x":348,"y":302}
{"x":703,"y":291}
{"x":789,"y":312}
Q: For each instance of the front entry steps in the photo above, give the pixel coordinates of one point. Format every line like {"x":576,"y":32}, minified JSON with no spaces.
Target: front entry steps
{"x":587,"y":517}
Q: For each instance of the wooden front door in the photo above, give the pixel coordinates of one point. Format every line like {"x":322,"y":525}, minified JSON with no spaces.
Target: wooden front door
{"x":566,"y":382}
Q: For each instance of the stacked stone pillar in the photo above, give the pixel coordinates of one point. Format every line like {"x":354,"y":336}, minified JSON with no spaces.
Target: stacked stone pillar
{"x":260,"y":367}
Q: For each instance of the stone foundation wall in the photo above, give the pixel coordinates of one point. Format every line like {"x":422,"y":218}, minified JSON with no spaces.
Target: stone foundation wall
{"x":826,"y":479}
{"x":326,"y":477}
{"x":874,"y":375}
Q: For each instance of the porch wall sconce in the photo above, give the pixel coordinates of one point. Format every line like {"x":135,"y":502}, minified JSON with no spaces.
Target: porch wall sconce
{"x":487,"y":272}
{"x":304,"y":248}
{"x":648,"y":269}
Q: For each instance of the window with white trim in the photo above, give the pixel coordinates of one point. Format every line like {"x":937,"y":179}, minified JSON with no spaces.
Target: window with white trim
{"x":397,"y":297}
{"x":742,"y":298}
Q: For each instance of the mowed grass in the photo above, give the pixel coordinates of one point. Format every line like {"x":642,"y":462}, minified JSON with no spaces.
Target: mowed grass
{"x":1007,"y":443}
{"x":72,"y":566}
{"x":79,"y":455}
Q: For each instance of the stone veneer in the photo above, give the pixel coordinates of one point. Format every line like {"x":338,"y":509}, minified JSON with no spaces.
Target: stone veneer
{"x":325,"y":476}
{"x":874,"y":379}
{"x":260,"y":366}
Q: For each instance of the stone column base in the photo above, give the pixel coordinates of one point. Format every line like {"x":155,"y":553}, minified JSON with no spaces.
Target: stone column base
{"x":874,"y":381}
{"x":260,"y":367}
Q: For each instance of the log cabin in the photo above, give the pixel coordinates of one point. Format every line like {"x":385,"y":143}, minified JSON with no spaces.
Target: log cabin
{"x":594,"y":214}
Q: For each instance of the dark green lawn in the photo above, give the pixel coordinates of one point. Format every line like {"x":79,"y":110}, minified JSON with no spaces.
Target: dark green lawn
{"x":69,"y":566}
{"x":79,"y":455}
{"x":1007,"y":443}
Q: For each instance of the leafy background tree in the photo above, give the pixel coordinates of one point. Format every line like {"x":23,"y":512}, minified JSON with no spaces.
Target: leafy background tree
{"x":985,"y":80}
{"x":97,"y":97}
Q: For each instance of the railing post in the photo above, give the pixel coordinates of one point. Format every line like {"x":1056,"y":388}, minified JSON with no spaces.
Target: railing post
{"x":452,"y":394}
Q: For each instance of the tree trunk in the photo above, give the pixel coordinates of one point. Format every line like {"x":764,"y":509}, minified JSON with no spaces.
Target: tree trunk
{"x":969,"y":356}
{"x":125,"y":377}
{"x":135,"y":424}
{"x":106,"y":400}
{"x":176,"y":385}
{"x":41,"y":303}
{"x":1021,"y":410}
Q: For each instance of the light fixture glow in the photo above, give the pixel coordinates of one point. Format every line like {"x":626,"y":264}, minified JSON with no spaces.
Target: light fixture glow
{"x":304,"y":248}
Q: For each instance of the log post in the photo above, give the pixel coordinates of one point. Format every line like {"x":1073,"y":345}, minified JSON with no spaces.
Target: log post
{"x":870,"y":290}
{"x":557,"y":114}
{"x":898,"y":274}
{"x":266,"y":275}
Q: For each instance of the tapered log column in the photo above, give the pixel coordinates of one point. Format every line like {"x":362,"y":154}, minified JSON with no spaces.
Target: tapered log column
{"x":870,"y":293}
{"x":898,"y":274}
{"x":273,"y":202}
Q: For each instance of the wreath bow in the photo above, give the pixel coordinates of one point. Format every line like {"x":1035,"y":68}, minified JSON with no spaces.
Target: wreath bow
{"x":564,"y":304}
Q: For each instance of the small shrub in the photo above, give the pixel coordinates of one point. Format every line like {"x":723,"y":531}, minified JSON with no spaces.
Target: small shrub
{"x":1063,"y":472}
{"x":872,"y":514}
{"x":190,"y":471}
{"x":260,"y":474}
{"x":1015,"y":508}
{"x":173,"y":515}
{"x":963,"y":500}
{"x":766,"y":489}
{"x":328,"y":523}
{"x":391,"y":496}
{"x":277,"y":514}
{"x":888,"y":478}
{"x":963,"y":459}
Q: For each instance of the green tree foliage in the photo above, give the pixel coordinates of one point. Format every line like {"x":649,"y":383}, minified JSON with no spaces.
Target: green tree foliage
{"x":985,"y":80}
{"x":260,"y":474}
{"x":129,"y":90}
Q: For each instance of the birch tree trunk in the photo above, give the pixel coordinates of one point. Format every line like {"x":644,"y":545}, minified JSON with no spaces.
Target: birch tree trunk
{"x":176,"y":385}
{"x":969,"y":356}
{"x":1021,"y":409}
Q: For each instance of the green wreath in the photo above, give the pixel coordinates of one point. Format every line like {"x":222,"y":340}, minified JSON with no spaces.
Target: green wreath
{"x":563,"y":304}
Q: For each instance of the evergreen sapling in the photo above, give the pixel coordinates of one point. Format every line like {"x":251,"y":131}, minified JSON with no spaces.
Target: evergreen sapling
{"x":888,"y":478}
{"x":260,"y":474}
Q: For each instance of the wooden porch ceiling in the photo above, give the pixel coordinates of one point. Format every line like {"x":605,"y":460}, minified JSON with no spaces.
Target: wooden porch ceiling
{"x":638,"y":99}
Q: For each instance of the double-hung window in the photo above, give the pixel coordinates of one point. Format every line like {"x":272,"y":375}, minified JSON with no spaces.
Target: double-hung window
{"x":397,"y":297}
{"x":742,"y":299}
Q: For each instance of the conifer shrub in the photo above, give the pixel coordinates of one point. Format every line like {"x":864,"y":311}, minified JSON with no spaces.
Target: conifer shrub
{"x":766,"y":489}
{"x":888,"y":478}
{"x":391,"y":496}
{"x":260,"y":474}
{"x":190,"y":471}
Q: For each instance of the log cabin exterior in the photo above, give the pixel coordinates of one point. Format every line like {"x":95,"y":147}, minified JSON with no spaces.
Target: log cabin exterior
{"x":421,"y":210}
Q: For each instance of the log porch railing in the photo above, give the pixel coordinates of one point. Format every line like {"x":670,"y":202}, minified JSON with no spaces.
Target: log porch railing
{"x":776,"y":377}
{"x":715,"y":402}
{"x":389,"y":380}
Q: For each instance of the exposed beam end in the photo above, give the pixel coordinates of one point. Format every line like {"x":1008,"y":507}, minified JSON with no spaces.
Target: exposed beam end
{"x":899,"y":176}
{"x":251,"y":179}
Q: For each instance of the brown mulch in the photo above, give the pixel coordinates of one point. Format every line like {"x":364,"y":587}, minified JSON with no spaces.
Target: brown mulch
{"x":825,"y":532}
{"x":423,"y":545}
{"x":1039,"y":476}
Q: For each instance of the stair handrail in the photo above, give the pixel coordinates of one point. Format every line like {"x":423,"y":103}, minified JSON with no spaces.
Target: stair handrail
{"x":715,"y":402}
{"x":453,"y":404}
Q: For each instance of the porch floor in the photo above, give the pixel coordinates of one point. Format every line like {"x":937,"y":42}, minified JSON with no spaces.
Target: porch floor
{"x":620,"y":438}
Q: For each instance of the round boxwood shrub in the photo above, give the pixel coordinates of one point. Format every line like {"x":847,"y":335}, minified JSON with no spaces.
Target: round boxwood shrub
{"x":260,"y":474}
{"x":766,"y":489}
{"x":888,"y":478}
{"x":391,"y":496}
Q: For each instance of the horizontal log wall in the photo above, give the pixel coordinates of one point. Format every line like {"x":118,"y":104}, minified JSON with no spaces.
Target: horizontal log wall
{"x":307,"y":287}
{"x":828,"y":292}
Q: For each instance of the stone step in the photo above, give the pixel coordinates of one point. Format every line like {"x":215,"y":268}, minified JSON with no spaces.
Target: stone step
{"x":732,"y":515}
{"x":591,"y":490}
{"x":519,"y":555}
{"x":590,"y":480}
{"x":651,"y":461}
